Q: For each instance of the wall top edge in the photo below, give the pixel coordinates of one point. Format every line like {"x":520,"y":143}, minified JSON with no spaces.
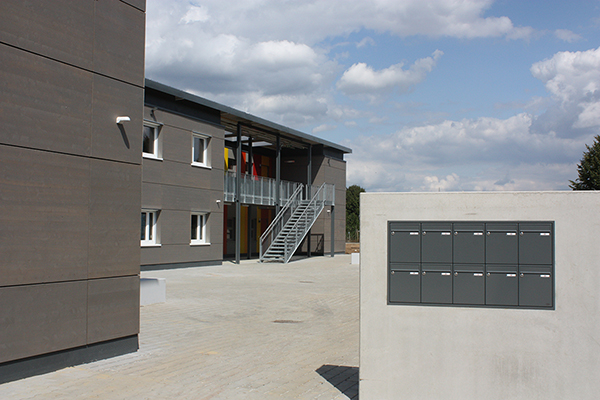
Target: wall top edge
{"x":569,"y":192}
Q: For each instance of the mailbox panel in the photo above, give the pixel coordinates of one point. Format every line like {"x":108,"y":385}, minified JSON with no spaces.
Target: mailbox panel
{"x":469,"y":243}
{"x":501,"y":243}
{"x":436,"y":284}
{"x":502,"y":287}
{"x":436,"y":242}
{"x":405,"y":286}
{"x":469,"y":285}
{"x":535,"y":243}
{"x":506,"y":264}
{"x":405,"y":243}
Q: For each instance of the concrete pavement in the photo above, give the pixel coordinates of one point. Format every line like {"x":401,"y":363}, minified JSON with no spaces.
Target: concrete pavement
{"x":249,"y":331}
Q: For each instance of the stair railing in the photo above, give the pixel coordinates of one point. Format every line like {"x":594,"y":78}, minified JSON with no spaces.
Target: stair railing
{"x":298,"y":231}
{"x":280,"y":220}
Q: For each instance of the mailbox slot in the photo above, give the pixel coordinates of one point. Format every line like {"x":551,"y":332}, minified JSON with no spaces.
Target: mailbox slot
{"x":469,"y":284}
{"x":502,"y":286}
{"x":405,"y":284}
{"x":535,"y":243}
{"x":469,"y":243}
{"x":405,"y":243}
{"x":502,"y":243}
{"x":535,"y":286}
{"x":436,"y":242}
{"x":436,"y":284}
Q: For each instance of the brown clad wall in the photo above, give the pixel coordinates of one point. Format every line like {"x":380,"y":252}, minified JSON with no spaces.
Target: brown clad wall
{"x":175,"y":188}
{"x":70,"y":180}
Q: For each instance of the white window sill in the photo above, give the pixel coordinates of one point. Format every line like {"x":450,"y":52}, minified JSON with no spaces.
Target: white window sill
{"x":199,"y":244}
{"x":198,"y":165}
{"x":151,"y":156}
{"x":150,"y":244}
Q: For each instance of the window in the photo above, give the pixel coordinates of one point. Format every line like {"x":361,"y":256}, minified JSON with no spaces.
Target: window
{"x":150,"y":140}
{"x":198,"y":229}
{"x":200,"y":156}
{"x":149,"y":231}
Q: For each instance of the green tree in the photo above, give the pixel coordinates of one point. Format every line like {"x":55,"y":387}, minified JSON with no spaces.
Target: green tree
{"x":353,"y":212}
{"x":589,"y":168}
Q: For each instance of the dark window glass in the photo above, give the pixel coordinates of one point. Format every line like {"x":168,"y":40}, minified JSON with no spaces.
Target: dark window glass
{"x":148,"y":141}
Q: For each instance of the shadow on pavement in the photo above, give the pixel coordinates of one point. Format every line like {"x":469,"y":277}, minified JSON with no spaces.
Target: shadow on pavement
{"x":344,"y":378}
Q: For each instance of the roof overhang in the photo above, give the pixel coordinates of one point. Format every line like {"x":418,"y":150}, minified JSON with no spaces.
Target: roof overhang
{"x":259,"y":129}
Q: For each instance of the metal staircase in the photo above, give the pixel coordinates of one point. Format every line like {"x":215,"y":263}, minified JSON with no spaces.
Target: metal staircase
{"x":281,"y":240}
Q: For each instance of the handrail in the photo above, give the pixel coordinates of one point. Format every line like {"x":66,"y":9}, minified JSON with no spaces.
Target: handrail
{"x":269,"y":231}
{"x":281,"y":212}
{"x":303,"y":217}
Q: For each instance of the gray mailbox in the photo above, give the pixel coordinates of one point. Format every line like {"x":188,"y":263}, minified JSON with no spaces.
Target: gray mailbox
{"x":471,"y":263}
{"x":502,"y":243}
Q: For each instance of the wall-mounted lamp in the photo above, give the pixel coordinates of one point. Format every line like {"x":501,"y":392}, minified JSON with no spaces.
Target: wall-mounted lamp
{"x":122,"y":119}
{"x":218,"y":201}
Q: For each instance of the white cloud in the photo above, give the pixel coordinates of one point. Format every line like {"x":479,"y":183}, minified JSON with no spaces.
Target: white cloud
{"x":269,"y":48}
{"x":472,"y":154}
{"x":365,"y":41}
{"x":362,"y":79}
{"x":573,"y":80}
{"x":324,"y":128}
{"x":566,"y":35}
{"x":195,"y":14}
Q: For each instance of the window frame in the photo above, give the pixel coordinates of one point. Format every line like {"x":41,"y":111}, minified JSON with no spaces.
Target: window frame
{"x":155,"y":126}
{"x":149,"y":236}
{"x":205,"y":150}
{"x":200,"y":229}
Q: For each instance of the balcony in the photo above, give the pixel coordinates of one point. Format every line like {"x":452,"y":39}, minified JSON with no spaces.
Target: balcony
{"x":258,"y":190}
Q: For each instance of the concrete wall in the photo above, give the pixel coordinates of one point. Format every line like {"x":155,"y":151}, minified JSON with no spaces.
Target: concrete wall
{"x":69,"y":178}
{"x":429,"y":352}
{"x":176,"y":188}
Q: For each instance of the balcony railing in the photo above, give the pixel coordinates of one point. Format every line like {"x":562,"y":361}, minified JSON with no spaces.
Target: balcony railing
{"x":261,"y":191}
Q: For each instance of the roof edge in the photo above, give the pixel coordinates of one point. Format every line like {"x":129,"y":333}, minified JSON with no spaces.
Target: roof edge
{"x":241,"y":114}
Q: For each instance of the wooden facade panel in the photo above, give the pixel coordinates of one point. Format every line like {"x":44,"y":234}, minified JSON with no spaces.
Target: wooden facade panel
{"x":182,"y":253}
{"x":44,"y":216}
{"x":112,"y":141}
{"x":189,"y":124}
{"x":183,"y":175}
{"x":39,"y":319}
{"x":187,"y":199}
{"x":114,"y":228}
{"x":39,"y":110}
{"x":152,"y":196}
{"x":113,"y":308}
{"x":61,"y":31}
{"x":119,"y":36}
{"x":177,"y":144}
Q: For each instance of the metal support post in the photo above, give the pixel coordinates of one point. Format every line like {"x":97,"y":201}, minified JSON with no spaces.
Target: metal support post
{"x":332,"y":230}
{"x":309,"y":192}
{"x":238,"y":195}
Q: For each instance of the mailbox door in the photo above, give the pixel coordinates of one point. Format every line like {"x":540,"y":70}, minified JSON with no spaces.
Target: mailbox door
{"x":405,"y":285}
{"x":469,"y":243}
{"x":405,"y":243}
{"x":502,"y":287}
{"x":535,"y":243}
{"x":502,"y":243}
{"x":436,"y":284}
{"x":469,"y":285}
{"x":535,"y":287}
{"x":436,"y":242}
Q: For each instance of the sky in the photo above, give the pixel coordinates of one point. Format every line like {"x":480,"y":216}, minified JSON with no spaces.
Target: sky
{"x":438,"y":95}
